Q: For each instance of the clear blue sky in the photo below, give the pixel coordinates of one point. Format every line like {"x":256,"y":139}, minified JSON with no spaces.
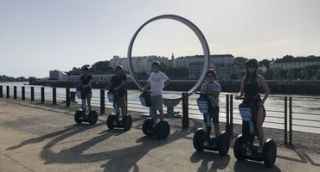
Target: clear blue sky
{"x":39,"y":35}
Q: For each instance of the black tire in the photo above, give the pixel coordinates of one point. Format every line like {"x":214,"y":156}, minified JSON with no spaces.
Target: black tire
{"x":77,"y":116}
{"x":162,"y":130}
{"x":199,"y":139}
{"x":110,"y":121}
{"x":269,"y":153}
{"x":147,"y":127}
{"x":127,"y":122}
{"x":238,"y":147}
{"x":223,"y":143}
{"x":92,"y":117}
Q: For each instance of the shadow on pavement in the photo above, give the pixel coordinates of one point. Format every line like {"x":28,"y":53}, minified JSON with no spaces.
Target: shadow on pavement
{"x":252,"y":166}
{"x":78,"y":128}
{"x":122,"y":159}
{"x":219,"y":162}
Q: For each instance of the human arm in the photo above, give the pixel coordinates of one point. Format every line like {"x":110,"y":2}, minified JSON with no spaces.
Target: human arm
{"x":263,"y":83}
{"x":241,"y":89}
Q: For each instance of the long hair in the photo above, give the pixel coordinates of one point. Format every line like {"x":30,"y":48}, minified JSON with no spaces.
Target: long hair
{"x":248,"y":75}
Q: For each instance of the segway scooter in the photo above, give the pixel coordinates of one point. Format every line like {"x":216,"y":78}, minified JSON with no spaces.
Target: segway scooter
{"x":221,"y":143}
{"x":161,"y":129}
{"x":113,"y":120}
{"x":81,"y":114}
{"x":244,"y":147}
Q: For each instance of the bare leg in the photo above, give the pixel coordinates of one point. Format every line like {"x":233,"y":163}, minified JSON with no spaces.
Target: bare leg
{"x":161,"y":114}
{"x":123,"y":106}
{"x":259,"y":125}
{"x":89,"y":101}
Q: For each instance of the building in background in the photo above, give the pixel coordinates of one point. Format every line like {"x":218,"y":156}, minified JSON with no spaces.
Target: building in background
{"x":289,"y":62}
{"x":57,"y":75}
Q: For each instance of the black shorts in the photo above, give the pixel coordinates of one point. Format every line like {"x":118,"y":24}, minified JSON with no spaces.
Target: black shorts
{"x":87,"y":91}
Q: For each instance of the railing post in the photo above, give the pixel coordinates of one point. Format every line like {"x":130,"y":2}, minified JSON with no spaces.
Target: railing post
{"x":14,"y":92}
{"x":102,"y":101}
{"x":227,"y":114}
{"x":32,"y":94}
{"x":185,"y":110}
{"x":67,"y":97}
{"x":1,"y":91}
{"x":290,"y":121}
{"x":286,"y":120}
{"x":231,"y":114}
{"x":23,"y":93}
{"x":54,"y":95}
{"x":8,"y":92}
{"x":42,"y":94}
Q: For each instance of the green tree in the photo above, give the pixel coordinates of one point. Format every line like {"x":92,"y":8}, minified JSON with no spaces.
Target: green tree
{"x":305,"y":73}
{"x":268,"y":74}
{"x":318,"y":73}
{"x":101,"y":67}
{"x":32,"y":79}
{"x":265,"y":63}
{"x":290,"y":74}
{"x":74,"y":71}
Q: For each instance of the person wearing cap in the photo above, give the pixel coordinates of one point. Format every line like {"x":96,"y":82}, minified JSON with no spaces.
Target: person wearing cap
{"x":211,"y":88}
{"x":117,"y":86}
{"x":157,"y":80}
{"x":85,"y":82}
{"x":250,"y":87}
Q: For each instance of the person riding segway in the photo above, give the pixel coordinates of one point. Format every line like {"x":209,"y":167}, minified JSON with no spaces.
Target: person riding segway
{"x":84,"y":93}
{"x":208,"y":104}
{"x":253,"y":113}
{"x":153,"y":99}
{"x":117,"y":94}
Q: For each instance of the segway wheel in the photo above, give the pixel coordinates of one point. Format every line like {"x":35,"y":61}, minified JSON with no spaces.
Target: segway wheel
{"x":127,"y":122}
{"x":238,"y":146}
{"x":78,"y":116}
{"x":92,"y":117}
{"x":110,"y":121}
{"x":199,"y":139}
{"x":223,"y":143}
{"x":269,"y":153}
{"x":147,"y":127}
{"x":162,"y":130}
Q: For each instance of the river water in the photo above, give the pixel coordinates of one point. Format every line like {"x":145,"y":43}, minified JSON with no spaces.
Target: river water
{"x":305,"y":108}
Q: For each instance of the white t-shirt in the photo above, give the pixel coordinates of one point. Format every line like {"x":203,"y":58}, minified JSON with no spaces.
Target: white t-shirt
{"x":156,"y":81}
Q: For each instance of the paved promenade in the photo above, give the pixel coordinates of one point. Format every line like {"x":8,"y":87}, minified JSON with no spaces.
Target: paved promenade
{"x":42,"y":138}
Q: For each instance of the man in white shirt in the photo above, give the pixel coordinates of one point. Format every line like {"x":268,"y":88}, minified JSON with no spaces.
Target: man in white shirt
{"x":157,"y":80}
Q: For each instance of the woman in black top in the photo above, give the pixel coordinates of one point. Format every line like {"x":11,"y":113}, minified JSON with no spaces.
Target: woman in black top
{"x":86,"y":80}
{"x":251,"y":85}
{"x":117,"y":86}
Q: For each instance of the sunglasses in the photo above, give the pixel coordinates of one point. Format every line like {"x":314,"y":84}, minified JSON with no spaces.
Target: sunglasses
{"x":210,"y":76}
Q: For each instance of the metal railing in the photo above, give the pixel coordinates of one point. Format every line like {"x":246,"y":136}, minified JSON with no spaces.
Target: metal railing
{"x":286,"y":122}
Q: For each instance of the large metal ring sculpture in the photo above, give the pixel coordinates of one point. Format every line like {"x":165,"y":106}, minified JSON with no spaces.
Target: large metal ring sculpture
{"x":193,"y":27}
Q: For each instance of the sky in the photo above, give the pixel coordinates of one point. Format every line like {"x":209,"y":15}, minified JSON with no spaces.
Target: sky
{"x":41,"y":35}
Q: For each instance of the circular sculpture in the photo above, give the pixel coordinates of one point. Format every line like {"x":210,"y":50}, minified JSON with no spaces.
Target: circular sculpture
{"x":196,"y":31}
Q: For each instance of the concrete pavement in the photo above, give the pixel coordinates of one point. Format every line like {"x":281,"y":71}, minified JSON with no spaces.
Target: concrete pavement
{"x":38,"y":138}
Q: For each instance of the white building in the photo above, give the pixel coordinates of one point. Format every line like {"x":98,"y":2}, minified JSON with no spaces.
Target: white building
{"x":57,"y":75}
{"x":139,"y":64}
